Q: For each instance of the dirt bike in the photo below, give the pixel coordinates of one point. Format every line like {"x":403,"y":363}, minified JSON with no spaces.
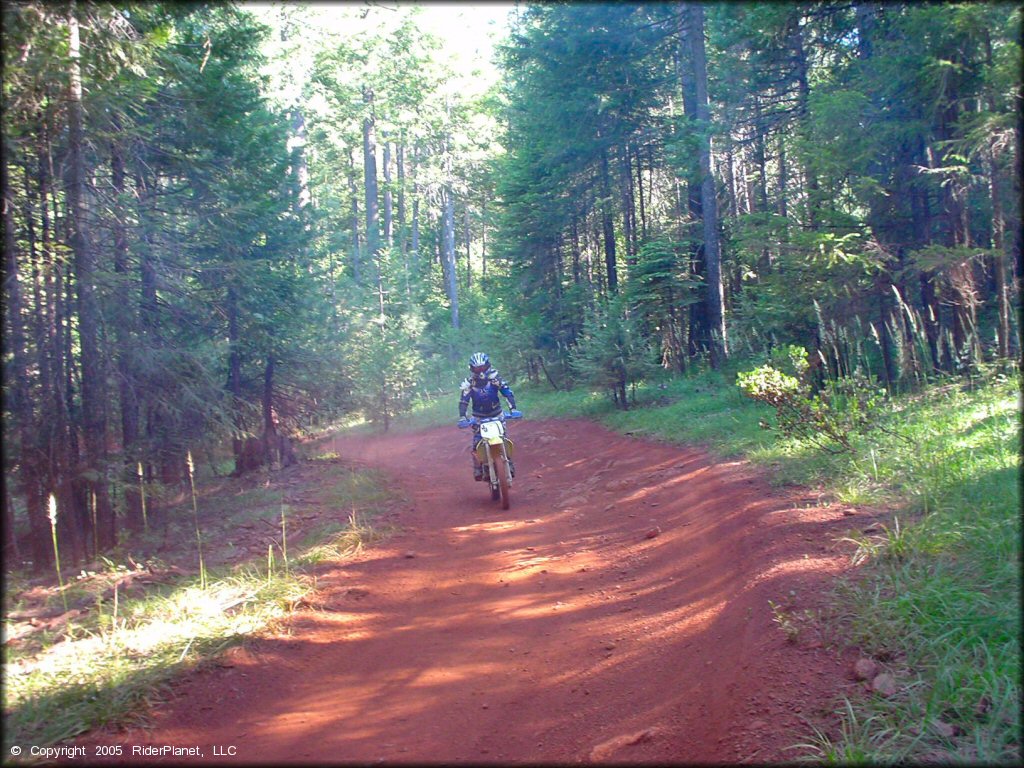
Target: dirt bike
{"x":494,"y":452}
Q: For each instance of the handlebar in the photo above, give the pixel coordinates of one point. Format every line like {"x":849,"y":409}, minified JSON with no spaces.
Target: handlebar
{"x":469,"y":421}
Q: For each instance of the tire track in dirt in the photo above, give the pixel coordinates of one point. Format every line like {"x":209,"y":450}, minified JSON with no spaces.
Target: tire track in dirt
{"x":617,"y":612}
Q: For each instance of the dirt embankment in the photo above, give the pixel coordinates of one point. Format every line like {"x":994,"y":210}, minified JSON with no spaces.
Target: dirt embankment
{"x":618,"y":612}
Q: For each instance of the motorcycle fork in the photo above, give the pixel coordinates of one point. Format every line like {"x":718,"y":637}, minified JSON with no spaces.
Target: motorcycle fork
{"x":490,"y":463}
{"x":492,"y":471}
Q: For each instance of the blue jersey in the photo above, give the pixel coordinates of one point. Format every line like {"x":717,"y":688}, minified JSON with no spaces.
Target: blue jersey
{"x":483,"y":394}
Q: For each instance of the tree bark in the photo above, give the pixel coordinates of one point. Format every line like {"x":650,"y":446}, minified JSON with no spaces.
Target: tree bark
{"x":300,"y":165}
{"x":125,"y":340}
{"x":782,"y":180}
{"x":448,"y":255}
{"x":709,"y":205}
{"x":400,"y":197}
{"x":468,"y":243}
{"x":94,"y":424}
{"x":354,"y":193}
{"x":608,"y":226}
{"x":270,"y":436}
{"x":21,"y":405}
{"x":370,"y":176}
{"x":803,"y":99}
{"x":414,"y":245}
{"x":644,"y":198}
{"x":483,"y":239}
{"x":388,"y":197}
{"x":628,"y":212}
{"x":999,"y":259}
{"x":235,"y":379}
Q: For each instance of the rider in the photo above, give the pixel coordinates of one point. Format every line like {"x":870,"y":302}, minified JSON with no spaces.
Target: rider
{"x":482,"y":389}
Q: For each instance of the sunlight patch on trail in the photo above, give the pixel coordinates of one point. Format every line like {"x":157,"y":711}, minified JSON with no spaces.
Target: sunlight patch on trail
{"x":802,"y":564}
{"x":649,"y":490}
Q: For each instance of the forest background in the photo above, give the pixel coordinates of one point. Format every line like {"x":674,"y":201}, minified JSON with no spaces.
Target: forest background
{"x":225,"y":224}
{"x":230,"y":225}
{"x":230,"y":222}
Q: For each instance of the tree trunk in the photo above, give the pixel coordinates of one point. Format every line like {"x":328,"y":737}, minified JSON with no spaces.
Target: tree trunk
{"x":642,"y":198}
{"x":883,"y":287}
{"x":388,"y":206}
{"x":608,"y":226}
{"x":999,"y":261}
{"x":94,"y":424}
{"x":354,"y":193}
{"x":297,"y":134}
{"x":414,"y":246}
{"x":235,"y":380}
{"x":468,"y":242}
{"x":483,"y":239}
{"x":370,"y":176}
{"x":400,"y":207}
{"x":782,"y":180}
{"x":21,"y":404}
{"x":960,"y":276}
{"x":125,"y":340}
{"x":270,"y":436}
{"x":930,"y":318}
{"x":448,"y":255}
{"x":628,"y":213}
{"x":803,"y":99}
{"x":48,"y":454}
{"x":697,"y":327}
{"x":300,"y":166}
{"x":998,"y":226}
{"x":709,"y":204}
{"x":64,"y":440}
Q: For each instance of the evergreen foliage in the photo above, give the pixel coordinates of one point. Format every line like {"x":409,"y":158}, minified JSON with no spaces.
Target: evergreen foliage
{"x":249,"y":221}
{"x":612,"y":354}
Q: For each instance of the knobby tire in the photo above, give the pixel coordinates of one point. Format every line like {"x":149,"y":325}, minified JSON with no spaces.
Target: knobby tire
{"x":501,"y":467}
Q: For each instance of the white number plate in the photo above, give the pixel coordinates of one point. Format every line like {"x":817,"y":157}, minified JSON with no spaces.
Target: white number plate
{"x":492,"y":430}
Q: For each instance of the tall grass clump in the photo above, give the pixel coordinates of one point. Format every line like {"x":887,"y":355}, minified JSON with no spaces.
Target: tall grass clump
{"x":939,"y":600}
{"x":195,"y":516}
{"x":107,"y":670}
{"x":56,"y":549}
{"x":142,"y":497}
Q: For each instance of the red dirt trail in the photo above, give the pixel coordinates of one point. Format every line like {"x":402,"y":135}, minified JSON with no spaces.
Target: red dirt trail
{"x":617,"y":612}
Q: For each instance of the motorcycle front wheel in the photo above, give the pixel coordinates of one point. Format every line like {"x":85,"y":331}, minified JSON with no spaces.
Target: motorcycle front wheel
{"x":501,"y":467}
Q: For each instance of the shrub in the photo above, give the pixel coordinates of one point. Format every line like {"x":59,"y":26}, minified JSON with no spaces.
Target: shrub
{"x":826,"y":419}
{"x":612,"y":354}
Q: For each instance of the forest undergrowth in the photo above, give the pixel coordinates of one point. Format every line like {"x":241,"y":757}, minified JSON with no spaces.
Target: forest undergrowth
{"x":101,"y":649}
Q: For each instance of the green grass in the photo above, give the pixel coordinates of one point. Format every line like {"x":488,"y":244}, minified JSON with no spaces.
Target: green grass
{"x":940,"y":599}
{"x":340,"y":540}
{"x":937,"y":597}
{"x":109,"y":666}
{"x":705,"y":409}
